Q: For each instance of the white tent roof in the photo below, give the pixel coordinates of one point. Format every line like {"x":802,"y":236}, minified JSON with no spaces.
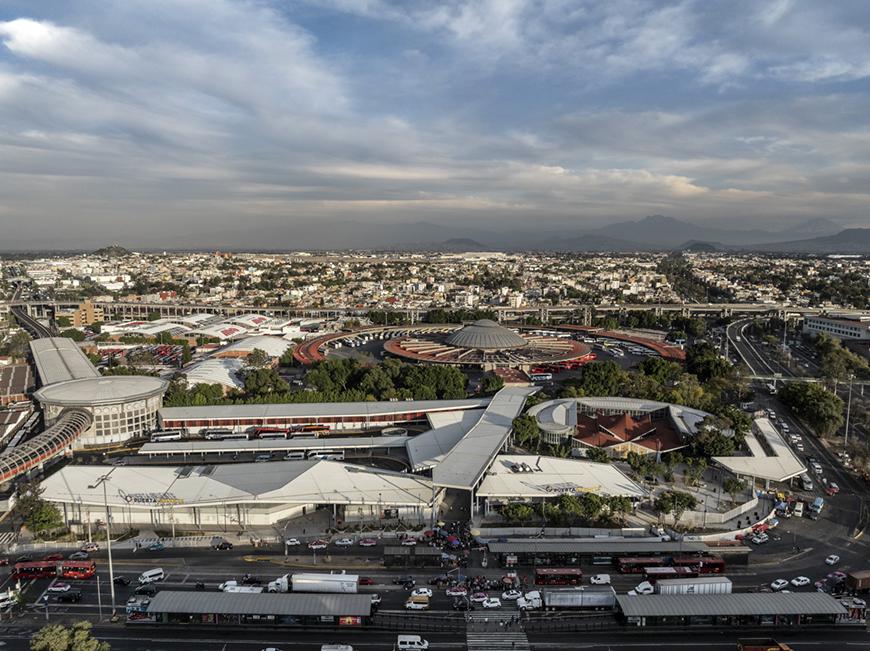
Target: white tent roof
{"x":781,"y":465}
{"x":428,"y":449}
{"x":272,"y":346}
{"x":216,"y":371}
{"x":552,"y":476}
{"x":284,"y":482}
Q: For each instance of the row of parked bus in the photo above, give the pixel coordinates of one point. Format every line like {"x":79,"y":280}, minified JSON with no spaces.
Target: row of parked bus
{"x":250,"y":434}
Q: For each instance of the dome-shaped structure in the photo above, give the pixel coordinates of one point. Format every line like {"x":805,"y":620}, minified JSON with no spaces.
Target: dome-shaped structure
{"x":486,"y":334}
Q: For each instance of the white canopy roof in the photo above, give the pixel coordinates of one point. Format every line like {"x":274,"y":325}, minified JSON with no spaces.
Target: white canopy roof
{"x":770,"y":457}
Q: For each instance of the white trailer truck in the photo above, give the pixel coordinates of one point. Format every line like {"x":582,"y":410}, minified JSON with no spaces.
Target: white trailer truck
{"x":311,"y":582}
{"x":701,"y":585}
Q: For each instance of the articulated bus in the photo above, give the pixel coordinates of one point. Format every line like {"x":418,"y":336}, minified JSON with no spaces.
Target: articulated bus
{"x":50,"y":569}
{"x":558,"y":576}
{"x":637,"y":564}
{"x":653,"y":574}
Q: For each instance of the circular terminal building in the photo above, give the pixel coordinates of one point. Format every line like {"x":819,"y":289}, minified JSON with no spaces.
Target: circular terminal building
{"x":485,"y":344}
{"x":122,"y":407}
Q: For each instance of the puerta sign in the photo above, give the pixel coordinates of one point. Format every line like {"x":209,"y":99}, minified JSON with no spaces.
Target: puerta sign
{"x":150,"y":498}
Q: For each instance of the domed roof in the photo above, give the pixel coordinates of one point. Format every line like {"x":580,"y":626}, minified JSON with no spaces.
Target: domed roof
{"x":102,"y":391}
{"x":486,"y":335}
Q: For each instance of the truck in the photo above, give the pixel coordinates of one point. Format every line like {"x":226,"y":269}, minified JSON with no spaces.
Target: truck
{"x":858,"y":581}
{"x":530,"y":601}
{"x":236,"y":587}
{"x":702,"y":585}
{"x":312,"y":582}
{"x":591,"y":597}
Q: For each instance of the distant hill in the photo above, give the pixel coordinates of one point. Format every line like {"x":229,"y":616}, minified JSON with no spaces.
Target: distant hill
{"x":114,"y":251}
{"x":585,"y":242}
{"x":659,"y":231}
{"x":817,"y":227}
{"x":850,"y":240}
{"x":694,"y":246}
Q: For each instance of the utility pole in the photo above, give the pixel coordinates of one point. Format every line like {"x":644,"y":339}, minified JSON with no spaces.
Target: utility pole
{"x":848,"y":412}
{"x":102,"y":481}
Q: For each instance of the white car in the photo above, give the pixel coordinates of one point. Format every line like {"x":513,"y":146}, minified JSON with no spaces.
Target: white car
{"x":317,"y":544}
{"x":599,"y":579}
{"x":511,"y":595}
{"x":479,"y":597}
{"x":292,"y":542}
{"x":59,"y":587}
{"x":800,"y":581}
{"x":368,"y":542}
{"x":376,"y":599}
{"x":457,"y":591}
{"x":760,"y":539}
{"x":421,"y":592}
{"x":833,"y":559}
{"x":416,"y":605}
{"x":409,"y":542}
{"x":491,"y":602}
{"x":858,"y":603}
{"x":644,"y":587}
{"x":344,"y":542}
{"x":778,"y":585}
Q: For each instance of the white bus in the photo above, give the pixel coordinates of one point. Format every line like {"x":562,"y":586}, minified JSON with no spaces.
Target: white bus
{"x":224,"y":435}
{"x":166,"y":436}
{"x":328,"y":455}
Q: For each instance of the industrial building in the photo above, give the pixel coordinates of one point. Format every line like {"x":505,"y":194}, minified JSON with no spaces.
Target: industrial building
{"x":231,"y":497}
{"x":839,"y":326}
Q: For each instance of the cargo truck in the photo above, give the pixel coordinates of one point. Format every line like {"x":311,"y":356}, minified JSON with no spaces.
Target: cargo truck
{"x":310,"y":582}
{"x":235,"y":586}
{"x":702,"y":585}
{"x":592,"y":597}
{"x":858,"y":581}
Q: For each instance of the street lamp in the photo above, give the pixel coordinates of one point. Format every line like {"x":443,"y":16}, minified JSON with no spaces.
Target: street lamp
{"x":848,"y":412}
{"x":101,"y":481}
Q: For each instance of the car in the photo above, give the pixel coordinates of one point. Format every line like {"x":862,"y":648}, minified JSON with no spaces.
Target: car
{"x":53,"y":557}
{"x":760,"y":539}
{"x":59,"y":586}
{"x":149,"y":590}
{"x":4,"y":562}
{"x":416,"y":605}
{"x":376,"y":600}
{"x":644,"y":587}
{"x":832,"y":489}
{"x":90,"y":547}
{"x":405,"y":581}
{"x":491,"y":602}
{"x":836,"y":577}
{"x":833,"y":559}
{"x":318,"y":544}
{"x":457,"y":591}
{"x":462,"y":604}
{"x":291,"y":542}
{"x":70,"y":596}
{"x":121,"y":580}
{"x":511,"y":595}
{"x":599,"y":579}
{"x":800,"y":581}
{"x":344,"y":542}
{"x":368,"y":542}
{"x":479,"y":597}
{"x":79,"y":556}
{"x":156,"y":547}
{"x":24,"y":558}
{"x":858,"y":603}
{"x":223,"y":545}
{"x":778,"y":585}
{"x":366,"y":580}
{"x":409,"y":542}
{"x":421,"y":592}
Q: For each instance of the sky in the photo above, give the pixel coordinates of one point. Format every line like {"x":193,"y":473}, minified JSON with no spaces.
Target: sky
{"x":136,"y":120}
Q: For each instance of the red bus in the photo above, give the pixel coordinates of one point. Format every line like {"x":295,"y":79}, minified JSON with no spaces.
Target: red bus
{"x":637,"y":564}
{"x":558,"y":576}
{"x":52,"y":569}
{"x":701,"y":564}
{"x":269,"y":433}
{"x":653,"y":574}
{"x":77,"y":569}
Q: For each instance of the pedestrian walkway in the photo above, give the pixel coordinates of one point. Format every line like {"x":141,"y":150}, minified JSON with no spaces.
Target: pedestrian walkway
{"x":7,"y":538}
{"x":497,"y":641}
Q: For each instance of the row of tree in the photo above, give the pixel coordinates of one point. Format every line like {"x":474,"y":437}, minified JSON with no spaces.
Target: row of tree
{"x":570,"y":510}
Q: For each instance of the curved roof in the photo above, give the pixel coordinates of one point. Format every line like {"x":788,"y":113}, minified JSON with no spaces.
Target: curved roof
{"x":487,"y":335}
{"x":102,"y":390}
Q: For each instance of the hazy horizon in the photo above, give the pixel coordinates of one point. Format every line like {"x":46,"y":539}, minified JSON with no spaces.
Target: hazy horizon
{"x":235,"y":123}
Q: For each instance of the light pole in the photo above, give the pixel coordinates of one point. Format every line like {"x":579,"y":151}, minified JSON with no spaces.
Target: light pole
{"x":102,"y":481}
{"x":848,"y":412}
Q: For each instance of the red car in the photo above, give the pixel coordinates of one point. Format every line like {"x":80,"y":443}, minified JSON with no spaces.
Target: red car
{"x":53,"y":557}
{"x":4,"y":562}
{"x":366,"y":580}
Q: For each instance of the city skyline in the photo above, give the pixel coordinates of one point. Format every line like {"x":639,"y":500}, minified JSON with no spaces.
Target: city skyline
{"x":214,"y":121}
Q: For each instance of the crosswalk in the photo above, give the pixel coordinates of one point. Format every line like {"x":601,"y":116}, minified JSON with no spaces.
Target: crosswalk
{"x":6,"y":538}
{"x":497,"y":641}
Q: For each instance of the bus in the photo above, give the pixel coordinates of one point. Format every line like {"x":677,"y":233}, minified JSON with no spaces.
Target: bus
{"x":701,"y":564}
{"x":269,"y":433}
{"x":558,"y":576}
{"x":327,"y":455}
{"x":166,"y":436}
{"x":653,"y":574}
{"x":51,"y":569}
{"x":224,"y":435}
{"x":637,"y":564}
{"x":540,"y":377}
{"x":314,"y":429}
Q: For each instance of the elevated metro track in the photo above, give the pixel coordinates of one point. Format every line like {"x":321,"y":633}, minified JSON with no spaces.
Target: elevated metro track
{"x":45,"y":445}
{"x":582,"y":314}
{"x":31,"y":325}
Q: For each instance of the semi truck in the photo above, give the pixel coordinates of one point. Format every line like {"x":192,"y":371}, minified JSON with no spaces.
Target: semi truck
{"x":592,"y":597}
{"x":235,"y":586}
{"x":311,"y":582}
{"x":858,"y":581}
{"x":702,"y":585}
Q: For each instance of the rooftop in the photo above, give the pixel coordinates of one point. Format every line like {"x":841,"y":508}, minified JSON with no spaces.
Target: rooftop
{"x":15,"y":379}
{"x":101,"y":390}
{"x":272,"y":346}
{"x":59,"y":359}
{"x":735,"y":604}
{"x":782,"y":465}
{"x":486,"y":334}
{"x":212,"y":603}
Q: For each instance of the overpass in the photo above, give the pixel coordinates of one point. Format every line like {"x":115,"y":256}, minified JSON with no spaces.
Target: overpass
{"x":581,"y":314}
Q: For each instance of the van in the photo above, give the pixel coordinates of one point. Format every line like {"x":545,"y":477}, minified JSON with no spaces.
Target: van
{"x":411,"y":642}
{"x":417,"y":602}
{"x":799,"y":510}
{"x":152,"y":576}
{"x":294,"y":456}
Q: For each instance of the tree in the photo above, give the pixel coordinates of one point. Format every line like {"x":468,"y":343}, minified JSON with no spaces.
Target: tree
{"x":822,"y":409}
{"x":17,"y":345}
{"x":675,"y":503}
{"x":602,"y":379}
{"x":77,"y":637}
{"x":490,"y":383}
{"x":258,"y":358}
{"x":527,"y":434}
{"x":37,"y":514}
{"x":517,"y":512}
{"x":597,"y":454}
{"x":733,"y":486}
{"x":72,"y":333}
{"x":261,"y":381}
{"x":63,"y":321}
{"x":618,"y":506}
